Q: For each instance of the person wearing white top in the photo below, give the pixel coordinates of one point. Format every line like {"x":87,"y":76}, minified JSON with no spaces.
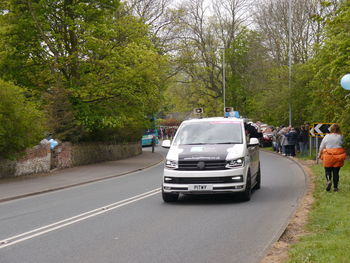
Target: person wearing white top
{"x":333,"y":155}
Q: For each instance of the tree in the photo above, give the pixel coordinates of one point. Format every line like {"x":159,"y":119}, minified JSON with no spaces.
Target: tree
{"x":198,"y":55}
{"x":91,"y":64}
{"x":330,"y":102}
{"x":21,"y":122}
{"x":158,"y":16}
{"x":308,"y":21}
{"x":246,"y":58}
{"x":271,"y":18}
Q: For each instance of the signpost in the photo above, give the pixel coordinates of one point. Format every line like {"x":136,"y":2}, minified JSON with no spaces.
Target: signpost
{"x":318,"y":130}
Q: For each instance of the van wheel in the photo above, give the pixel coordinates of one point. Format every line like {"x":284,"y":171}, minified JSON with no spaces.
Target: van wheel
{"x":258,"y":179}
{"x":248,"y":189}
{"x":169,"y":198}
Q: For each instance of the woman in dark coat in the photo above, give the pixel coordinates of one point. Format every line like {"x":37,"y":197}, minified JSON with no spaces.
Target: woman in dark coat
{"x":292,"y":137}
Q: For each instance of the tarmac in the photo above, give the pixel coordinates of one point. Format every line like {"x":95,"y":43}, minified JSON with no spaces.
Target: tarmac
{"x":23,"y":186}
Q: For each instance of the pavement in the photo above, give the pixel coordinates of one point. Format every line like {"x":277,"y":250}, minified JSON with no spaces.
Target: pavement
{"x":23,"y":186}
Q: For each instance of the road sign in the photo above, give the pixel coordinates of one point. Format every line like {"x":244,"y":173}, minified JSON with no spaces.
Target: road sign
{"x":320,"y":129}
{"x":232,"y":114}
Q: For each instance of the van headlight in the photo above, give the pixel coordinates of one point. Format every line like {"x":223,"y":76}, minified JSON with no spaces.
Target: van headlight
{"x":235,"y":163}
{"x":171,"y":164}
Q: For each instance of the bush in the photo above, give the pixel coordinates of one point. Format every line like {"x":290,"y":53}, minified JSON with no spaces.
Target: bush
{"x":21,"y":123}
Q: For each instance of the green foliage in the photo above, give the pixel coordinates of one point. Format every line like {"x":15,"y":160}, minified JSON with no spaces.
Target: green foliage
{"x":273,"y":99}
{"x":97,"y":74}
{"x":238,"y":61}
{"x":257,"y":78}
{"x":61,"y":117}
{"x":315,"y":94}
{"x":187,"y":93}
{"x":301,"y":93}
{"x":92,"y":66}
{"x":200,"y":84}
{"x":21,"y":122}
{"x":330,"y":102}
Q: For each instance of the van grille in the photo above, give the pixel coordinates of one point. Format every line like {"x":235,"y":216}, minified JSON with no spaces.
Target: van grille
{"x":202,"y":180}
{"x":202,"y":165}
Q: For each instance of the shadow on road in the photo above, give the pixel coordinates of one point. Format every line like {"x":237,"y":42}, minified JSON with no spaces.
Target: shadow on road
{"x":212,"y":199}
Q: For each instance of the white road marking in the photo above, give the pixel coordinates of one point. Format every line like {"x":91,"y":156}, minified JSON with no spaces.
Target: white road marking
{"x":69,"y":221}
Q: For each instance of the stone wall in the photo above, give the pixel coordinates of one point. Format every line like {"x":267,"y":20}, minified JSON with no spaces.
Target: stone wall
{"x":69,"y":155}
{"x":41,"y":159}
{"x":62,"y":156}
{"x":36,"y":160}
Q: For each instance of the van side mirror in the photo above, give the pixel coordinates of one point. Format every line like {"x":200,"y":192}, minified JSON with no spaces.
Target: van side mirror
{"x":166,"y":144}
{"x":253,"y":142}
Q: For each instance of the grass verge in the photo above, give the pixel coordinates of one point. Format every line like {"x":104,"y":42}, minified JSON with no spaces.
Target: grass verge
{"x":329,"y":223}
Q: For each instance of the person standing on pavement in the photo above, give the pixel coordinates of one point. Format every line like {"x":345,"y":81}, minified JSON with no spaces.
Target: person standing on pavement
{"x":279,"y":139}
{"x":274,"y":140}
{"x":333,"y":155}
{"x":153,"y":143}
{"x":297,"y":147}
{"x":303,"y":140}
{"x":284,"y":142}
{"x":292,"y":138}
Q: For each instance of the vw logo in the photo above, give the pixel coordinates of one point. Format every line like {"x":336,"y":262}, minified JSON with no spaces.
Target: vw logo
{"x":201,"y":165}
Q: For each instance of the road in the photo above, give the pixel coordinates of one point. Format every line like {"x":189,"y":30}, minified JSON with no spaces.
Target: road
{"x":125,"y":220}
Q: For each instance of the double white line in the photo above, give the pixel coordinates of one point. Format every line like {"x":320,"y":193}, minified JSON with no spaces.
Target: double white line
{"x":75,"y":219}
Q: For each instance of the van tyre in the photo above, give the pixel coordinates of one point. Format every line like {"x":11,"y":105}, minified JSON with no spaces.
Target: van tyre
{"x":248,"y":189}
{"x":169,"y":198}
{"x":258,"y":179}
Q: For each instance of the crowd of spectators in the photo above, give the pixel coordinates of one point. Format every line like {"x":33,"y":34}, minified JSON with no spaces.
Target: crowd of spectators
{"x":284,"y":140}
{"x":289,"y":140}
{"x":167,"y":132}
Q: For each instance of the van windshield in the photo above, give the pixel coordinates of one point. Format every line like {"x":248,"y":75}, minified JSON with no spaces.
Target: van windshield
{"x":209,"y":133}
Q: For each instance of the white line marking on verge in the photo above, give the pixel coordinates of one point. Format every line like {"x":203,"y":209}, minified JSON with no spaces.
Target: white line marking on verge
{"x":69,"y":221}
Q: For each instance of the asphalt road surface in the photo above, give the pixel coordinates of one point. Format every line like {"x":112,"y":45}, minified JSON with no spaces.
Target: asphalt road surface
{"x":125,"y":220}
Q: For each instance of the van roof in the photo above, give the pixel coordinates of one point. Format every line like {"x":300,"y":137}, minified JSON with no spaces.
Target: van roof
{"x":215,"y":119}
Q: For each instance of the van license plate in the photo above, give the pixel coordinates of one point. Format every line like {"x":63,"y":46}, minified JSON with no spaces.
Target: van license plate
{"x":200,"y":187}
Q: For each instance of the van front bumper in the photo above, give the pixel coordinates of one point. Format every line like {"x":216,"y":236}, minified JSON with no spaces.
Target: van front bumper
{"x":204,"y":182}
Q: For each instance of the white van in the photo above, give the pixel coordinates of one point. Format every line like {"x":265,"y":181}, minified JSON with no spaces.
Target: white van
{"x":211,"y":155}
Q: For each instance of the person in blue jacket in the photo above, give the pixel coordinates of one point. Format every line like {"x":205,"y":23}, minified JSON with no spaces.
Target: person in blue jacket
{"x":292,"y":138}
